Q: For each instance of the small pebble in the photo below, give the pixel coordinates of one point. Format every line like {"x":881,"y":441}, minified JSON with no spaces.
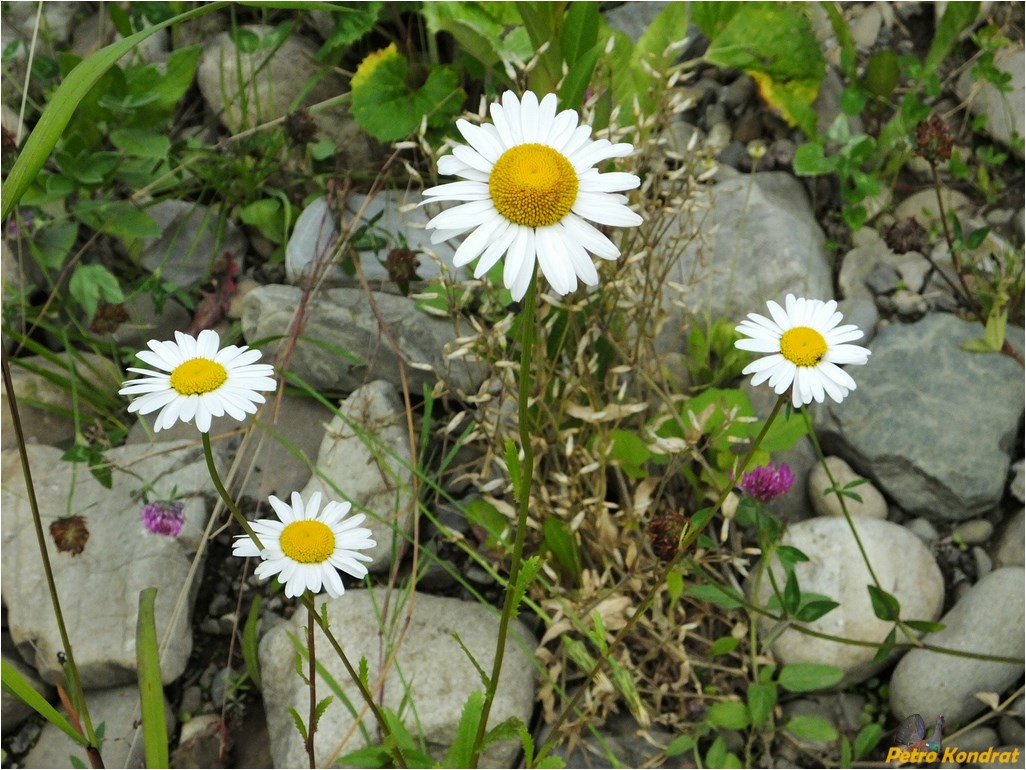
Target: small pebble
{"x":984,"y":564}
{"x":977,"y":739}
{"x":909,"y":304}
{"x":923,"y":529}
{"x":1011,"y":725}
{"x":883,"y":279}
{"x":974,"y":531}
{"x":1009,"y":546}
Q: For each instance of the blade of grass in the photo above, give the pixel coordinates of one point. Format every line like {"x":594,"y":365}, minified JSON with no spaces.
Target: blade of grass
{"x":18,"y":686}
{"x":151,"y":688}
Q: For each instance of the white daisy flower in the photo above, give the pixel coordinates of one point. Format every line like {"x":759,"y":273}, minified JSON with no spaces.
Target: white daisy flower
{"x":305,"y":549}
{"x":202,"y":381}
{"x":530,"y":184}
{"x":805,"y":344}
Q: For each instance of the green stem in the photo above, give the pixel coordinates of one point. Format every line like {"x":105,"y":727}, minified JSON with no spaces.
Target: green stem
{"x":74,"y":680}
{"x":307,"y":600}
{"x":526,"y":381}
{"x":311,"y":728}
{"x":687,"y":539}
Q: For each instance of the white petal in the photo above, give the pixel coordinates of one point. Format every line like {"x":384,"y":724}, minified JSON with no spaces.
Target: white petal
{"x":589,"y":237}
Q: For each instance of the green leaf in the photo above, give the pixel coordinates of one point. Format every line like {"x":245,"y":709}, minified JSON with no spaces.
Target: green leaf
{"x":141,"y":143}
{"x":882,"y":73}
{"x":528,"y":572}
{"x":20,"y":688}
{"x":957,"y":16}
{"x":250,"y":641}
{"x":731,"y":715}
{"x":91,"y":283}
{"x":389,"y":109}
{"x":352,"y":21}
{"x":561,"y":544}
{"x":806,"y":677}
{"x":777,"y":47}
{"x":814,"y":610}
{"x":481,"y":513}
{"x":727,"y":598}
{"x":925,"y":626}
{"x":489,"y":32}
{"x":627,"y":450}
{"x":885,"y":606}
{"x":679,"y":745}
{"x":811,"y":728}
{"x":151,"y":688}
{"x":575,"y":84}
{"x":713,"y":17}
{"x":723,"y":645}
{"x":810,"y":160}
{"x":674,"y":585}
{"x":792,"y":594}
{"x":268,"y":216}
{"x":117,"y":218}
{"x":867,"y":740}
{"x":789,"y":556}
{"x":462,"y":749}
{"x":579,"y":32}
{"x":761,"y":700}
{"x":886,"y":647}
{"x":52,"y":244}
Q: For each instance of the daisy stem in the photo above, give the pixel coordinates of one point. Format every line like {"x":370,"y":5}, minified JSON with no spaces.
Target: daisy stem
{"x":397,"y":754}
{"x":526,"y":474}
{"x":312,"y":723}
{"x":70,"y":669}
{"x":689,"y":536}
{"x":308,"y":601}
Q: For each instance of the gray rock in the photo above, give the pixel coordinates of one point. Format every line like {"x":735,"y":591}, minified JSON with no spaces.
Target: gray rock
{"x":987,"y":620}
{"x":872,"y":506}
{"x":923,"y":529}
{"x":364,"y":457}
{"x":835,"y":569}
{"x":99,"y":587}
{"x":45,"y":400}
{"x":341,"y":324}
{"x":430,"y":670}
{"x":146,"y":322}
{"x":1017,"y":486}
{"x":1004,"y":110}
{"x":974,"y":531}
{"x":13,"y":710}
{"x":192,"y":240}
{"x":977,"y":739}
{"x":118,"y":708}
{"x":724,"y":270}
{"x":883,"y":279}
{"x":866,"y":26}
{"x":863,"y":312}
{"x":392,"y":217}
{"x":982,"y":561}
{"x":1011,"y":725}
{"x":634,"y":19}
{"x":1008,"y":549}
{"x":272,"y":77}
{"x":922,"y":206}
{"x":910,"y":440}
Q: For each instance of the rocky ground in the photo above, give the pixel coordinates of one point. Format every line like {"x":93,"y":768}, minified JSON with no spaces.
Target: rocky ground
{"x":936,"y":433}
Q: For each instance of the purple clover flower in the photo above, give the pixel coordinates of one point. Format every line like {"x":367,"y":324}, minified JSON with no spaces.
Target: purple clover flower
{"x":767,"y":482}
{"x":163,"y":517}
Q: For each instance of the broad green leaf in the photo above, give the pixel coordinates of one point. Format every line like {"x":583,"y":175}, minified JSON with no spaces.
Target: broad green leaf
{"x":810,"y":160}
{"x":713,"y":17}
{"x":926,"y":626}
{"x":490,"y":32}
{"x":388,"y":108}
{"x":731,"y":715}
{"x":882,"y":73}
{"x":352,"y":21}
{"x":723,"y":645}
{"x":867,"y":740}
{"x":814,"y":610}
{"x":886,"y":647}
{"x":806,"y":677}
{"x":792,"y":594}
{"x":51,"y":245}
{"x":679,"y":745}
{"x":579,"y":32}
{"x":777,"y":47}
{"x":118,"y":218}
{"x":714,"y":594}
{"x":90,"y":284}
{"x":674,"y":585}
{"x":885,"y":606}
{"x":761,"y":700}
{"x":483,"y":514}
{"x":811,"y":728}
{"x":151,"y":687}
{"x":141,"y":143}
{"x":628,"y":451}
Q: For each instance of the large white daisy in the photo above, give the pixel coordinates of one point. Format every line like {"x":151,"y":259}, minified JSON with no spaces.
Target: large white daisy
{"x":529,"y":185}
{"x":805,"y":346}
{"x":198,"y":380}
{"x":307,"y":547}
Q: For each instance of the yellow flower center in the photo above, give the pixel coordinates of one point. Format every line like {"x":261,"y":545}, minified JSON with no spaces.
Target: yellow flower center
{"x":198,"y":375}
{"x":533,"y":185}
{"x":803,"y":346}
{"x":308,"y":541}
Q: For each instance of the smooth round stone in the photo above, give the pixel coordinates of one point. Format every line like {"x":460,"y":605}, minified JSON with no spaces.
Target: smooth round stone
{"x":903,"y":564}
{"x":974,"y":531}
{"x":923,"y":529}
{"x":825,"y":503}
{"x":1009,"y":548}
{"x":988,"y":619}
